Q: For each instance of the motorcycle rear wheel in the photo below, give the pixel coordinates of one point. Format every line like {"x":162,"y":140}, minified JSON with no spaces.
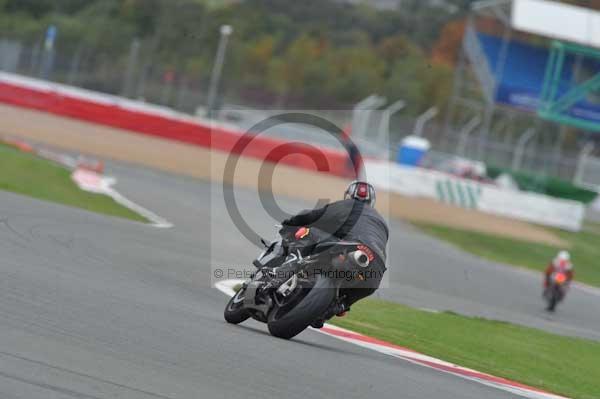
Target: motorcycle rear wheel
{"x":310,"y":308}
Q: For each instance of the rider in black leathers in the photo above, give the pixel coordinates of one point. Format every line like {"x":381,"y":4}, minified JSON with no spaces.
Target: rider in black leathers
{"x":352,"y":219}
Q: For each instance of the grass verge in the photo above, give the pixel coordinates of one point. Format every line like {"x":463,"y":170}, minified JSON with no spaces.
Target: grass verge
{"x":27,"y":174}
{"x":584,"y":248}
{"x":563,"y":365}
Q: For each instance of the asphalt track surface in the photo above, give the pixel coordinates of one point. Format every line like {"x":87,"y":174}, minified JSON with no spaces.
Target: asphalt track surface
{"x":423,"y":272}
{"x":99,"y":307}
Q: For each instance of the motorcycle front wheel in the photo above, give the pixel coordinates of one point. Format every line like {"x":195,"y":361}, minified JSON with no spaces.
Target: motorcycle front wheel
{"x":235,"y":312}
{"x":553,"y":299}
{"x":287,"y":324}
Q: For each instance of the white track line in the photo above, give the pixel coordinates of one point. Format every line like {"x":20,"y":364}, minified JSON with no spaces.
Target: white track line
{"x":156,"y":220}
{"x":226,"y":287}
{"x":96,"y":183}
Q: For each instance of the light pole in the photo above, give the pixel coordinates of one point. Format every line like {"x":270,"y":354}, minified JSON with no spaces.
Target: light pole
{"x":362,"y":113}
{"x":423,"y":119}
{"x":48,"y":54}
{"x":356,"y":117}
{"x":520,"y":148}
{"x":581,"y":161}
{"x":226,"y":31}
{"x":134,"y":51}
{"x":465,"y":133}
{"x":384,"y":125}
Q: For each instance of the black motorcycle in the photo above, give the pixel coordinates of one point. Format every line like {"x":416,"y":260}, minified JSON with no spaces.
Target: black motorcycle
{"x":298,"y":282}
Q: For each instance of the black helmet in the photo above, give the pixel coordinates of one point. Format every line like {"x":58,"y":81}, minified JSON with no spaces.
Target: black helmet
{"x":361,"y":191}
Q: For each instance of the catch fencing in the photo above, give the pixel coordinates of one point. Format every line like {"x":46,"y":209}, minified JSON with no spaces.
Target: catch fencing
{"x":140,"y":77}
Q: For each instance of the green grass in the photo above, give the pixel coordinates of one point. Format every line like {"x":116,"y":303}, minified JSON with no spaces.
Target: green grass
{"x":592,"y":227}
{"x":27,"y":174}
{"x":563,"y":365}
{"x":584,"y":248}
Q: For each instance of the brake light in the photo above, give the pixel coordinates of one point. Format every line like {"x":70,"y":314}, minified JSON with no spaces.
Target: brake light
{"x":301,"y":233}
{"x":363,"y":191}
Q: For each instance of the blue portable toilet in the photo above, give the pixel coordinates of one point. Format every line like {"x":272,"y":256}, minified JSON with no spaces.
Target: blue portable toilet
{"x":412,"y":149}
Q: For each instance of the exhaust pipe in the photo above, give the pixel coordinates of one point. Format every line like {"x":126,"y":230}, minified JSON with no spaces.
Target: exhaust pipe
{"x":360,"y":258}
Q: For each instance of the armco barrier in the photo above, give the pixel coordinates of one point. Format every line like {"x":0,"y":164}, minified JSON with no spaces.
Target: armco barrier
{"x":161,"y":122}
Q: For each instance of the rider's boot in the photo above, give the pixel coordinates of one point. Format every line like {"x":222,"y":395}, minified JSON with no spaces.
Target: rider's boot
{"x":338,"y":309}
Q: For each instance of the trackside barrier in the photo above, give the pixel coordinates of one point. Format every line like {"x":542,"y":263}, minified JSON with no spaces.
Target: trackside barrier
{"x":526,"y":206}
{"x":165,"y":123}
{"x":162,"y":122}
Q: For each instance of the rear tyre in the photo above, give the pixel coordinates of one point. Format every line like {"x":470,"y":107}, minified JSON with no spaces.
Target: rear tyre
{"x":235,"y":312}
{"x":311,"y":307}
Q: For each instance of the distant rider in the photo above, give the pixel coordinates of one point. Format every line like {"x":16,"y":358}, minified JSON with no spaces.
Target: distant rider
{"x":561,"y":263}
{"x":352,"y":219}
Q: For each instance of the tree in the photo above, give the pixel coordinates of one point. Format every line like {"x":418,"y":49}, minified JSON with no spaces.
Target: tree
{"x":358,"y":72}
{"x":447,"y":48}
{"x":256,"y":58}
{"x":306,"y":53}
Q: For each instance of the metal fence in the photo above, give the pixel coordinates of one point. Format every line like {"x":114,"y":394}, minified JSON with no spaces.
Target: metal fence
{"x":137,"y":75}
{"x":532,"y":157}
{"x":588,"y":169}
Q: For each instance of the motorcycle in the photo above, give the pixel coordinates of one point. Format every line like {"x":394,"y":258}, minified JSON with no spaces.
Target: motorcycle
{"x":298,"y":282}
{"x":555,"y":291}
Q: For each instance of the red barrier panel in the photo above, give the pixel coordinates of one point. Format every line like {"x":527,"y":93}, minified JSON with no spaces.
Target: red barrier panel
{"x":266,"y":148}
